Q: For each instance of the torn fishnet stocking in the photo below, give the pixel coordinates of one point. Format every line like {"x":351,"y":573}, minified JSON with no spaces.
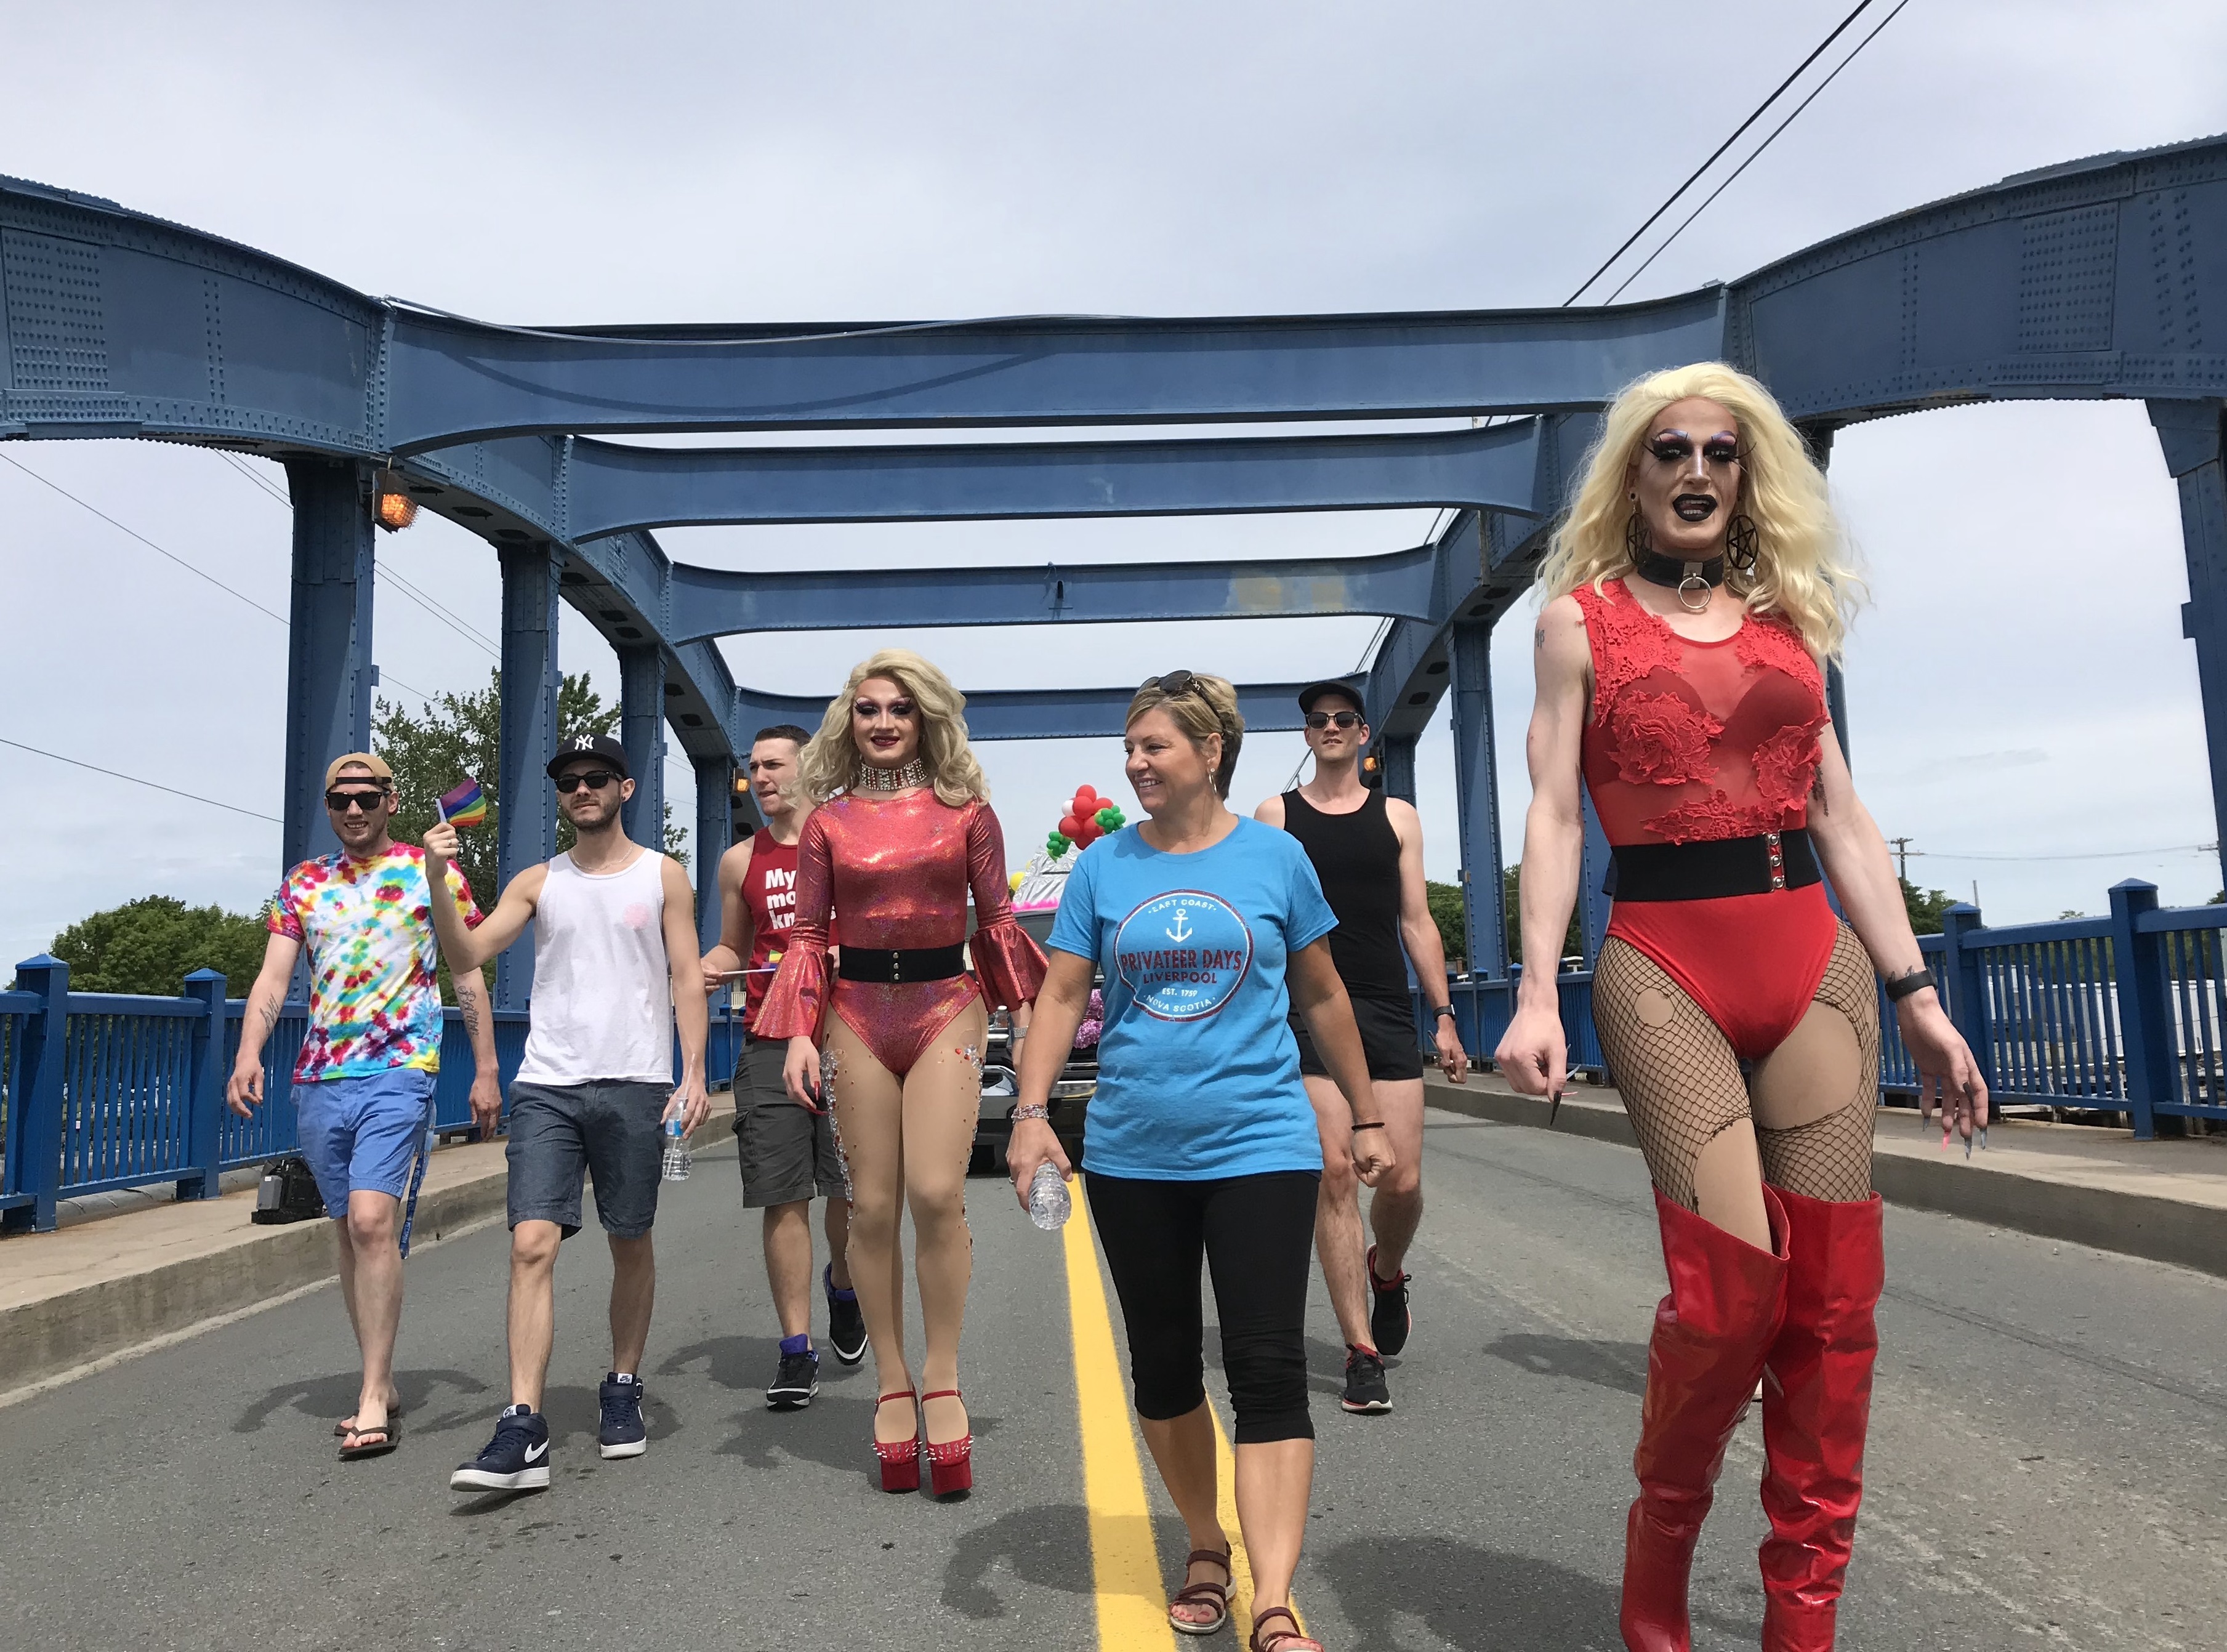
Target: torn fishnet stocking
{"x":1681,"y":1082}
{"x":1815,"y":1095}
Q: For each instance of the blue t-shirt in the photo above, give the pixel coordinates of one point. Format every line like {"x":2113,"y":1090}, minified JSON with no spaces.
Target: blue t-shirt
{"x":1198,"y":1076}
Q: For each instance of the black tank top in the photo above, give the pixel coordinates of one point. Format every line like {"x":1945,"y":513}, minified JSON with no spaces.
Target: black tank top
{"x":1356,"y":856}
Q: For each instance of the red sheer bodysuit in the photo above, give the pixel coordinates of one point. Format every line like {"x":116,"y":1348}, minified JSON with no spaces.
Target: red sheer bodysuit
{"x":1692,"y":742}
{"x":899,"y":869}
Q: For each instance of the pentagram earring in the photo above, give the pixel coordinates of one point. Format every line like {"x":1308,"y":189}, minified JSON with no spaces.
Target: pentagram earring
{"x":1740,"y":543}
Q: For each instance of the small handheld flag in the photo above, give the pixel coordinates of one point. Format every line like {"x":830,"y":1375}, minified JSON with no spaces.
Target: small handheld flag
{"x":464,"y":806}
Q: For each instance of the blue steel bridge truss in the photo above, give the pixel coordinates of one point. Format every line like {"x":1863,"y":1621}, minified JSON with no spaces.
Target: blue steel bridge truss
{"x":2100,"y":278}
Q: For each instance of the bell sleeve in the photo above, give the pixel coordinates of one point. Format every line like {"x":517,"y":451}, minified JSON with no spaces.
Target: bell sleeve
{"x":1007,"y":960}
{"x":797,"y":998}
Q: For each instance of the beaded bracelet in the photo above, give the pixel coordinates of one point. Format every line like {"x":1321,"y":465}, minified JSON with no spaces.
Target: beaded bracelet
{"x":1035,"y":1110}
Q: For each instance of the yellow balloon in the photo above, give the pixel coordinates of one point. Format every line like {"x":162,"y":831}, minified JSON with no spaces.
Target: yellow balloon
{"x":1013,"y":884}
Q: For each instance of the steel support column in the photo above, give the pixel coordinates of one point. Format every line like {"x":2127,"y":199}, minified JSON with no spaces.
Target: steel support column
{"x":328,"y":652}
{"x":1477,"y":795}
{"x":1820,"y":440}
{"x":1593,"y":901}
{"x":527,"y":823}
{"x":2190,"y":432}
{"x":641,"y":731}
{"x":715,"y":827}
{"x":1397,"y":754}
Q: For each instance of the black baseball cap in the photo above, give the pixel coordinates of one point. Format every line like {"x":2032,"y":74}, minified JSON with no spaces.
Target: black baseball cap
{"x":1314,"y":691}
{"x":603,"y":749}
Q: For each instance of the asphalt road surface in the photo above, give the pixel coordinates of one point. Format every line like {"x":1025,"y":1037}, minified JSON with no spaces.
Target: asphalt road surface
{"x":2049,"y":1449}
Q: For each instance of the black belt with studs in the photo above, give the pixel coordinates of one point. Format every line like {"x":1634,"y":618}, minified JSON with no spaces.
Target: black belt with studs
{"x":897,"y":965}
{"x":1708,"y":871}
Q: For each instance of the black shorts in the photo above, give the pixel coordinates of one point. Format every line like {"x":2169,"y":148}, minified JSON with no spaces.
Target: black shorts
{"x":788,"y":1152}
{"x":1387,"y":1039}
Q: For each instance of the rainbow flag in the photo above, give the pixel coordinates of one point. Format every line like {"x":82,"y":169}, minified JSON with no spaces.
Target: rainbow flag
{"x":466,"y":805}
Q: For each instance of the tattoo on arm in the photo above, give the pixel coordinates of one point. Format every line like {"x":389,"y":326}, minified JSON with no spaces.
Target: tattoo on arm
{"x":1539,"y":638}
{"x":469,"y":1004}
{"x":269,"y":1012}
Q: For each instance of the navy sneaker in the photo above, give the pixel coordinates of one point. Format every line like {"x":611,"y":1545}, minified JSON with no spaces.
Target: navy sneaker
{"x":1390,"y":1319}
{"x":516,"y":1459}
{"x":846,"y":1326}
{"x":620,"y":1432}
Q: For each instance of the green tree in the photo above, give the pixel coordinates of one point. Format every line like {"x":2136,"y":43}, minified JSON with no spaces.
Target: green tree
{"x":151,"y":944}
{"x":1451,"y":914}
{"x":456,"y":735}
{"x":1925,"y":907}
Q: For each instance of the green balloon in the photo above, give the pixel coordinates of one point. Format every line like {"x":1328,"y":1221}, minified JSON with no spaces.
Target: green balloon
{"x":1109,"y":818}
{"x":1055,"y":846}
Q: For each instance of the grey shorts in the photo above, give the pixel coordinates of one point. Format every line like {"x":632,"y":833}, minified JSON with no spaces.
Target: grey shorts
{"x":787,"y":1153}
{"x":610,"y":1129}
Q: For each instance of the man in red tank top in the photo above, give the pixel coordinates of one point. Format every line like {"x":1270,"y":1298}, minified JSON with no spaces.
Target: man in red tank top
{"x":787,"y":1154}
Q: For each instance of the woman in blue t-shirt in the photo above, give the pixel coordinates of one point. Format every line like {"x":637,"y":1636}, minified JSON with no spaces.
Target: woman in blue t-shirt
{"x":1202,"y":1139}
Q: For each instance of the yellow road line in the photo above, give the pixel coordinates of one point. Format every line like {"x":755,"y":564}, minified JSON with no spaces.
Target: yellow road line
{"x":1132,"y":1601}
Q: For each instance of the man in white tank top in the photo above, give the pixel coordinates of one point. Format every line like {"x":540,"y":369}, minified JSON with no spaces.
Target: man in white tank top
{"x":615,"y":965}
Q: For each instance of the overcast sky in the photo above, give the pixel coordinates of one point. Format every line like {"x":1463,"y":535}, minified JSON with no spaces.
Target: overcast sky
{"x":2018,"y":688}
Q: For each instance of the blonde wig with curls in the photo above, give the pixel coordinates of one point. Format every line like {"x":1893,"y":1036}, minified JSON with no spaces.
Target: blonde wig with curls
{"x":1801,"y":573}
{"x":830,"y":759}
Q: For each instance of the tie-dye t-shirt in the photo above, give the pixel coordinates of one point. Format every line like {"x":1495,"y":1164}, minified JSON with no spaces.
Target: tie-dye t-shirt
{"x":375,"y":1004}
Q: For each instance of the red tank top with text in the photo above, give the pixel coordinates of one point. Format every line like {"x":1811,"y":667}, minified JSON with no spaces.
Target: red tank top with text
{"x":769,"y":892}
{"x":1692,"y":741}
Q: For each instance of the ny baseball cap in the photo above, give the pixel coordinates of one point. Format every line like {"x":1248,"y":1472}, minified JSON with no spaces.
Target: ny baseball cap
{"x":358,"y":760}
{"x":1314,"y":691}
{"x":602,"y":749}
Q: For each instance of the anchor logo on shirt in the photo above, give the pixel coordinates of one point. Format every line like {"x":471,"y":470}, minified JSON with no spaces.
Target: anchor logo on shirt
{"x":1180,"y":929}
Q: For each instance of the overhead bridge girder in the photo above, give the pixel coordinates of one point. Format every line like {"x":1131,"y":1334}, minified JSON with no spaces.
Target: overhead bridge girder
{"x":1041,"y":714}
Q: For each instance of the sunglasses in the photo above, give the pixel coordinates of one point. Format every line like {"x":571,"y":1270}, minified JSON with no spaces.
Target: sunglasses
{"x":1324,"y":719}
{"x":1675,"y":447}
{"x":1176,"y":682}
{"x":341,"y":802}
{"x":594,"y":779}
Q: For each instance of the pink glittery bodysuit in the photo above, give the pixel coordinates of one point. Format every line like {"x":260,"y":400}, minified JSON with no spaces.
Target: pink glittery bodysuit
{"x":899,"y":870}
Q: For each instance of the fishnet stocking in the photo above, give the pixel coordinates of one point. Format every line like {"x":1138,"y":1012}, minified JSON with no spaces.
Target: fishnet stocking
{"x":1679,"y":1080}
{"x":1833,"y":1053}
{"x":1811,"y":1100}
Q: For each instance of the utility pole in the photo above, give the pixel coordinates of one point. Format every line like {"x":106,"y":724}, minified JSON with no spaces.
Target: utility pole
{"x":1901,"y":857}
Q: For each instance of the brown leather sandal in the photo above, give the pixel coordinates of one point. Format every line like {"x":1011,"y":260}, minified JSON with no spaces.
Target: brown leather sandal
{"x":1280,"y":1640}
{"x":1216,"y":1595}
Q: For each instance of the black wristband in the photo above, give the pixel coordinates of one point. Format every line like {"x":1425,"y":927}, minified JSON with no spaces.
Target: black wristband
{"x":1444,"y":1008}
{"x":1374,"y":1124}
{"x":1902,"y":985}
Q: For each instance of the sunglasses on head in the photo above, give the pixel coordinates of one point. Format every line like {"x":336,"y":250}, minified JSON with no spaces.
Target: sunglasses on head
{"x":1176,"y":682}
{"x":341,"y":802}
{"x":594,"y":779}
{"x":1324,"y":719}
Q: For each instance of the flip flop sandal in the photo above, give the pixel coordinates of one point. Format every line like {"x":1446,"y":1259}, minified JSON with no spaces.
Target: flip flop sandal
{"x":341,"y":1431}
{"x":1286,"y":1640}
{"x":1216,"y":1595}
{"x":388,"y":1437}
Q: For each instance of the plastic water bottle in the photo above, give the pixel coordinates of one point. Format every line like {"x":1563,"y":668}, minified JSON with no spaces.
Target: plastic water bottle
{"x":677,"y":1159}
{"x":1050,"y":1205}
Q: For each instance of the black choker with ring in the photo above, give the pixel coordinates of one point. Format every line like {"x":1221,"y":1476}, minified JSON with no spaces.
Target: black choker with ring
{"x":1691,"y":579}
{"x":872,"y":778}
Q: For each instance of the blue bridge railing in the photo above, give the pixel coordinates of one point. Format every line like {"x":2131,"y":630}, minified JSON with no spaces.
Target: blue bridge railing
{"x":101,"y":1091}
{"x":2053,"y":1015}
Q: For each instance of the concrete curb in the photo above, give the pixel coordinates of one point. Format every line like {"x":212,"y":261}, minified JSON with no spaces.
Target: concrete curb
{"x":2108,"y":1218}
{"x":42,"y":1339}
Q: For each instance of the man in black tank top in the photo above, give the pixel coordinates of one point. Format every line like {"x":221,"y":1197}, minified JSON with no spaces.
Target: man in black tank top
{"x":1367,"y":851}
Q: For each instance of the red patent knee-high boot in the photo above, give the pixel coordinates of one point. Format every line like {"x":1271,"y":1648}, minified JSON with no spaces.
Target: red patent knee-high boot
{"x":1817,"y":1406}
{"x":1710,"y":1333}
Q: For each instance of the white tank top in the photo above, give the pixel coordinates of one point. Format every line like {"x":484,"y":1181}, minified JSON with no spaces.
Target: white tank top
{"x":602,"y":1008}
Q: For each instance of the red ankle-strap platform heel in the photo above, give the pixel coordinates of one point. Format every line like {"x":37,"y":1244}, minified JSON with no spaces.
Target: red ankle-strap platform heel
{"x":951,"y":1463}
{"x":900,"y":1459}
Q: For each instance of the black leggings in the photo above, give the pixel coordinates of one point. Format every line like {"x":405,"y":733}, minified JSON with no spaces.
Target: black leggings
{"x":1257,"y":1233}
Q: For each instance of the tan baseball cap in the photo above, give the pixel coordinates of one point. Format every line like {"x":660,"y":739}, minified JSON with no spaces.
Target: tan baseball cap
{"x":358,"y":760}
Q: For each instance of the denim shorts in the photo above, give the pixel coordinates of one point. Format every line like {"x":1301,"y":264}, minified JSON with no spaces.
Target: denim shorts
{"x":362,"y":1135}
{"x":788,"y":1152}
{"x":609,"y":1129}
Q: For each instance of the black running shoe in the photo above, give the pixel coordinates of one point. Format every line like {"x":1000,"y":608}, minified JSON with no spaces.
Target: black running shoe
{"x":516,"y":1459}
{"x":621,"y":1432}
{"x":846,"y":1326}
{"x":1365,"y":1391}
{"x":795,"y":1383}
{"x":1389,"y":1320}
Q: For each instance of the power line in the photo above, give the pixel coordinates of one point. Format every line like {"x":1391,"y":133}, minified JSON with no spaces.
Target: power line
{"x":1759,"y":150}
{"x":1862,"y":6}
{"x":155,"y":785}
{"x":142,"y":539}
{"x":261,"y":486}
{"x":2086,"y":854}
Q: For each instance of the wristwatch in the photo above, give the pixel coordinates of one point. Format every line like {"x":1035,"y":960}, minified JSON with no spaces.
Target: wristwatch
{"x":1902,"y":985}
{"x":1444,"y":1008}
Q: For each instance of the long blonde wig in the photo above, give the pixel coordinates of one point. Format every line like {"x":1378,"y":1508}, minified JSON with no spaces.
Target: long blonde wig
{"x":830,"y":759}
{"x":1803,"y":573}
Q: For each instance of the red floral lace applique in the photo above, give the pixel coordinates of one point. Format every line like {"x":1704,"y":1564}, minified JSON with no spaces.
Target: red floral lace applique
{"x":1769,"y":643}
{"x":1706,"y":819}
{"x":1661,"y":740}
{"x":1627,"y":643}
{"x":1786,"y":765}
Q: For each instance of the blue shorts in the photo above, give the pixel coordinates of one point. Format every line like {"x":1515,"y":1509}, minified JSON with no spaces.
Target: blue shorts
{"x":361,"y":1135}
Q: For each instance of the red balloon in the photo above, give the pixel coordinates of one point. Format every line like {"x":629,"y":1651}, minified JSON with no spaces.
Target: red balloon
{"x":1070,"y":827}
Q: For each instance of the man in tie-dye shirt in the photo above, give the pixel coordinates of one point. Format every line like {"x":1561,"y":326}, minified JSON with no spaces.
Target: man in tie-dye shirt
{"x":363,"y":1081}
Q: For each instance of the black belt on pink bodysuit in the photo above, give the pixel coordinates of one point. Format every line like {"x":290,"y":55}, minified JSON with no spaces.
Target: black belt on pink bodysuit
{"x":892,"y":966}
{"x":1708,"y":871}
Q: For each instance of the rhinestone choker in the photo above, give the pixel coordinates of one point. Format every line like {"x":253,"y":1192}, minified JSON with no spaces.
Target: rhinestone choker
{"x":871,"y":778}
